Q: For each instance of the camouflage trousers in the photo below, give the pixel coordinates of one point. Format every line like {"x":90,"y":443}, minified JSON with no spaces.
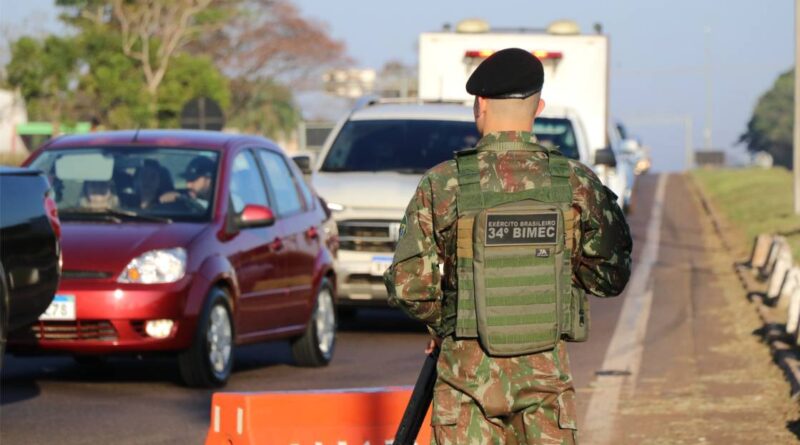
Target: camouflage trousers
{"x":457,"y":419}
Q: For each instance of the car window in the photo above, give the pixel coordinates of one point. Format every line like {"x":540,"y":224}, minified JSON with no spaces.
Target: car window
{"x":140,"y":182}
{"x":405,"y":146}
{"x":557,"y":132}
{"x":247,"y":186}
{"x":281,"y":183}
{"x":308,"y":196}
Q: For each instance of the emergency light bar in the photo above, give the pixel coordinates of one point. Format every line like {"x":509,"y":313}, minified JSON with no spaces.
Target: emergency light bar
{"x":541,"y":55}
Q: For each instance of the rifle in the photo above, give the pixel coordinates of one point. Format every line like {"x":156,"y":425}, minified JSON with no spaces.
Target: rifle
{"x":418,"y":405}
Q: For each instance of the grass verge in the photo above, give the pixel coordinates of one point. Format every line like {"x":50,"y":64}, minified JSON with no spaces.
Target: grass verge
{"x":755,"y":200}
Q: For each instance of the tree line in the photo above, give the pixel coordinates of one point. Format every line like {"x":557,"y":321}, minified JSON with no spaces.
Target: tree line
{"x":135,"y":63}
{"x":771,"y":126}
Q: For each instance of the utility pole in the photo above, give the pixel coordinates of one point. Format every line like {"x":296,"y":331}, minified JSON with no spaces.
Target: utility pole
{"x":707,"y":133}
{"x":796,"y":169}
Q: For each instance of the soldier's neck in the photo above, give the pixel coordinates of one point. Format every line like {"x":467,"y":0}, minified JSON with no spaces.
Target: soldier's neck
{"x":495,"y":126}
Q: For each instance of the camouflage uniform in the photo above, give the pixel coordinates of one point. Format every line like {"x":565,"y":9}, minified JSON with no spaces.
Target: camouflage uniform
{"x":479,"y":398}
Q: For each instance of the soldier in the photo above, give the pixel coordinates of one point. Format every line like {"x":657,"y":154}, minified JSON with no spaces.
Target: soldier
{"x":498,"y":250}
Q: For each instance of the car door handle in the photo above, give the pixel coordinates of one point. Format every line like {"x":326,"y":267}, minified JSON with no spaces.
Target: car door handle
{"x":312,"y":233}
{"x":276,"y":245}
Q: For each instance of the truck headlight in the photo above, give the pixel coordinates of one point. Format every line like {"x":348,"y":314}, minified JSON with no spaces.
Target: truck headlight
{"x":156,"y":266}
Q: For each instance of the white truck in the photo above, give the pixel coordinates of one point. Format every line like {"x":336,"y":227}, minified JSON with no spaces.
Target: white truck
{"x":575,"y":87}
{"x":575,"y":67}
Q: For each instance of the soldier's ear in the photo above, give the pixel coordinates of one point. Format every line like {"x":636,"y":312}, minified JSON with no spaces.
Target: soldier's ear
{"x":482,"y":104}
{"x":540,"y":107}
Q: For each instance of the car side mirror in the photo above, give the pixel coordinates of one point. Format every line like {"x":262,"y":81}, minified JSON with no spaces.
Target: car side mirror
{"x":605,"y":156}
{"x":256,"y":216}
{"x":303,"y":163}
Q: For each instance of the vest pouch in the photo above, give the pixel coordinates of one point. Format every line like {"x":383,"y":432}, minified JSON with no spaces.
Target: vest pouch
{"x":518,"y":251}
{"x":578,"y":328}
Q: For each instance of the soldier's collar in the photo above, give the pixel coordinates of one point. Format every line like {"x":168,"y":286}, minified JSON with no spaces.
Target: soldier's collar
{"x":504,"y":140}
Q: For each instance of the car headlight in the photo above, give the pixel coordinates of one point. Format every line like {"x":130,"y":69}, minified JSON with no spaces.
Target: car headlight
{"x":334,"y":207}
{"x":156,"y":266}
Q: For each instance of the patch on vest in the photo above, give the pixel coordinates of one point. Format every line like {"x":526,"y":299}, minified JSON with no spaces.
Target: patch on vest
{"x":510,"y":229}
{"x":542,"y":253}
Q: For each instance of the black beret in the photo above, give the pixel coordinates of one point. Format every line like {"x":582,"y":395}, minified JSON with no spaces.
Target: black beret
{"x":511,"y":73}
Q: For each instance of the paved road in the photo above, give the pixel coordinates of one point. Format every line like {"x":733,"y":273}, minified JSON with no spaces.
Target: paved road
{"x":128,"y":401}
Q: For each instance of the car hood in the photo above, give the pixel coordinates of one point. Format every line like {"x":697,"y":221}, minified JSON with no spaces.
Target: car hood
{"x":378,"y":191}
{"x":105,"y":247}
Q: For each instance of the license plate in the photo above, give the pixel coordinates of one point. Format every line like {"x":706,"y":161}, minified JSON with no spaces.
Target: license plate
{"x":380,"y":264}
{"x":62,"y":308}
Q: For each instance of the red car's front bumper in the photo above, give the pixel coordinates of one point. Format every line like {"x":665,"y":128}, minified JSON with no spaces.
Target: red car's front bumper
{"x":111,"y":318}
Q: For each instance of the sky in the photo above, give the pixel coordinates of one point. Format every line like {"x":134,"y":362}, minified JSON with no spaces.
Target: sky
{"x":659,"y":52}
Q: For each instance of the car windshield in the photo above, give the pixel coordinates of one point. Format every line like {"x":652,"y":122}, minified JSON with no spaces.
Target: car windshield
{"x":404,"y":146}
{"x":117,"y":184}
{"x":557,"y":132}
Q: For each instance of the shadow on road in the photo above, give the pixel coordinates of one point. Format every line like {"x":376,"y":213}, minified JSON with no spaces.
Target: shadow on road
{"x":384,"y":320}
{"x":23,"y":376}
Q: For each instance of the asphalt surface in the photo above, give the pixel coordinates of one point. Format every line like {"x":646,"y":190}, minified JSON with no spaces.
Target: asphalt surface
{"x":46,"y":400}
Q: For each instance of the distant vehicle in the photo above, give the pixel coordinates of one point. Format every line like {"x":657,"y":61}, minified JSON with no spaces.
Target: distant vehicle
{"x":188,"y":242}
{"x":370,"y":167}
{"x":30,"y":253}
{"x":562,"y":127}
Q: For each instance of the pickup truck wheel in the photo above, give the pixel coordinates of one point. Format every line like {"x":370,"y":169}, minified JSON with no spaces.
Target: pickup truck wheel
{"x":209,"y":361}
{"x":315,"y":347}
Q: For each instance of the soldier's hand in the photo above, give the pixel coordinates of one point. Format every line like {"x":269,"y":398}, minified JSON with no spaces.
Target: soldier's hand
{"x":435,"y":342}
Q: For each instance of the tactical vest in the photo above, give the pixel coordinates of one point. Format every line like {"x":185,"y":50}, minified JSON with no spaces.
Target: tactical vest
{"x":515,"y":291}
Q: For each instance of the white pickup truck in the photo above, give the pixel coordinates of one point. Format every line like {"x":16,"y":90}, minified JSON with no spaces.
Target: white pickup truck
{"x":372,"y":162}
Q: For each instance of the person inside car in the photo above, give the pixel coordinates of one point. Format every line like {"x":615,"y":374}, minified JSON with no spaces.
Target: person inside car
{"x":98,"y":195}
{"x":199,"y":177}
{"x":151,"y":182}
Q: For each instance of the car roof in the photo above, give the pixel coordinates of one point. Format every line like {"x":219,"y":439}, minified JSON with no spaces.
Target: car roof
{"x":162,"y":138}
{"x":18,"y":171}
{"x":423,"y":111}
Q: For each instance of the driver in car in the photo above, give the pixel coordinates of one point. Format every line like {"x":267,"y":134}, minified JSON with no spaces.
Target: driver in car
{"x":199,"y":180}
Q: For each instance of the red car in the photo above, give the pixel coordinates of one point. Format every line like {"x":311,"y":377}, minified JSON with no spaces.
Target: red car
{"x":185,"y":241}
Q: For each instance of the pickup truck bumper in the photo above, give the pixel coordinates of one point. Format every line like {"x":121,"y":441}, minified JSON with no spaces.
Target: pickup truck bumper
{"x":360,"y":278}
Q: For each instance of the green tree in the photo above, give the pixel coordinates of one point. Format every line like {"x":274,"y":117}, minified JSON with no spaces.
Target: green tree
{"x":771,"y":126}
{"x":262,"y":106}
{"x":45,"y":71}
{"x":190,"y":77}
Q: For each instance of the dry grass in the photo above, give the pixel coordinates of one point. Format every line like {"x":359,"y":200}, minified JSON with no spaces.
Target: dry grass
{"x":12,"y":159}
{"x":755,"y":200}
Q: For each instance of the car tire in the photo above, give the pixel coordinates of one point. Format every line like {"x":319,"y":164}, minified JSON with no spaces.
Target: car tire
{"x":315,"y":347}
{"x":209,"y":360}
{"x":4,"y":308}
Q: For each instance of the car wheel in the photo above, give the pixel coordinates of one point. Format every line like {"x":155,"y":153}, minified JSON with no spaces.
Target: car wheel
{"x":315,"y":347}
{"x":209,"y":361}
{"x":4,"y":308}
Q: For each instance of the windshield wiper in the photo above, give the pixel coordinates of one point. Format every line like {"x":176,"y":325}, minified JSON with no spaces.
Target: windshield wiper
{"x":78,"y":213}
{"x":112,"y":215}
{"x":139,"y":216}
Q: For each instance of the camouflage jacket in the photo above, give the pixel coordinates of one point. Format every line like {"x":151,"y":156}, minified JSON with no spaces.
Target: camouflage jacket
{"x":422,"y":277}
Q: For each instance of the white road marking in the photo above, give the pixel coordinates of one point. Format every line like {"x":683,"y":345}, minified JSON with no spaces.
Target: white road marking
{"x":624,"y":352}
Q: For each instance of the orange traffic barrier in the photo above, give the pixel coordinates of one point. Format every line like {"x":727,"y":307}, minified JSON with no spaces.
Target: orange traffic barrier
{"x":367,"y":416}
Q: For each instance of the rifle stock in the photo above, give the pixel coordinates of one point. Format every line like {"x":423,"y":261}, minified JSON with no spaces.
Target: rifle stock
{"x":421,"y":398}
